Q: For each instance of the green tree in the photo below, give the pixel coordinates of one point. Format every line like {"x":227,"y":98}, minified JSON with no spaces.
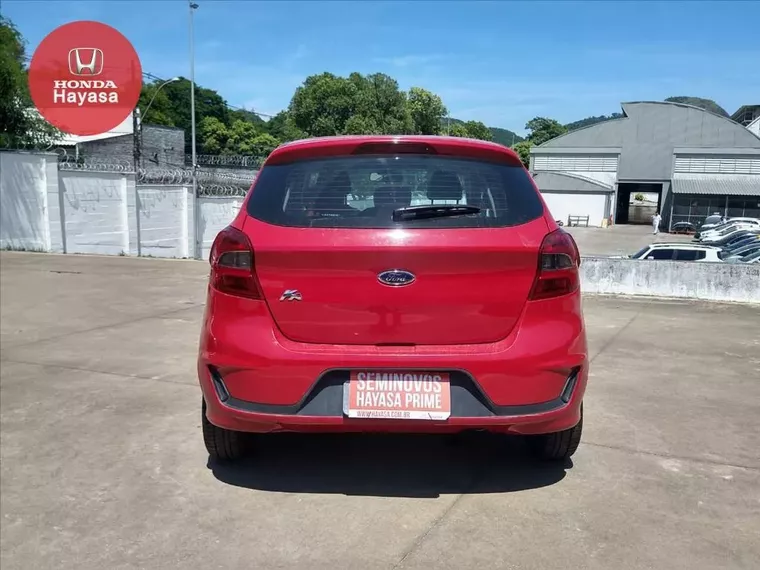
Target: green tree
{"x":240,"y":137}
{"x":247,"y":116}
{"x":427,"y":111}
{"x":505,"y":136}
{"x":477,"y":130}
{"x":459,"y":130}
{"x":361,"y":125}
{"x":543,"y":129}
{"x":328,"y":105}
{"x":323,"y":105}
{"x":160,"y":110}
{"x":523,"y":151}
{"x":172,"y":105}
{"x":212,"y":135}
{"x":282,"y":127}
{"x":382,"y":103}
{"x":20,"y":125}
{"x":588,"y":121}
{"x":706,"y":104}
{"x":263,"y":144}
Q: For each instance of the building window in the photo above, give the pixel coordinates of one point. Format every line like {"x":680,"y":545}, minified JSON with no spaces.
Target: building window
{"x":695,"y":208}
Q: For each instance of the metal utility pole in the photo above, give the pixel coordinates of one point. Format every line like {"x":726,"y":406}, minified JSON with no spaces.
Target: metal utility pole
{"x":137,"y":122}
{"x":137,"y":146}
{"x":196,"y":201}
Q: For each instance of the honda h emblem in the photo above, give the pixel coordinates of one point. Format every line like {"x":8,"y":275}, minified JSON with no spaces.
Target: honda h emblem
{"x":86,"y":61}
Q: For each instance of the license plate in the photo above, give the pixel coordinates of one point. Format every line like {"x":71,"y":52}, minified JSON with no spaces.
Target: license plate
{"x":403,"y":395}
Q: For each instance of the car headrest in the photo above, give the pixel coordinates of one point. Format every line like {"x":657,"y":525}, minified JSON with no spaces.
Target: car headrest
{"x":444,"y":185}
{"x":333,"y":194}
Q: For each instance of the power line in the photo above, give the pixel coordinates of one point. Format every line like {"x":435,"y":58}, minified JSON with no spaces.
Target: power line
{"x":232,"y":107}
{"x":28,"y":59}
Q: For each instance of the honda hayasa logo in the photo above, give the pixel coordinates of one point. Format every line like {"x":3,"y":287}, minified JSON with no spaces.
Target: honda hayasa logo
{"x":86,"y":61}
{"x":74,"y":89}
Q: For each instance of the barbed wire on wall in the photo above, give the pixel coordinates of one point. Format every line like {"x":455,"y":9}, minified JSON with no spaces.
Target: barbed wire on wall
{"x":243,"y":161}
{"x":185,"y":176}
{"x":210,"y":183}
{"x":69,"y":162}
{"x":221,"y":190}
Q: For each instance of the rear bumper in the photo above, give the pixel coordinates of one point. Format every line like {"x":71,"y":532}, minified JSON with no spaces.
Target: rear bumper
{"x":253,"y":379}
{"x":322,"y":410}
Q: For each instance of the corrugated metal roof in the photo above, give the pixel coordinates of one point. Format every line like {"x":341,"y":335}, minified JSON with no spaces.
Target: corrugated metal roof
{"x":650,"y":131}
{"x":717,"y":184}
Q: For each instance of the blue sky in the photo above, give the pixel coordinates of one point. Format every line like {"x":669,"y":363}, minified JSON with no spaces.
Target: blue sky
{"x":502,"y":63}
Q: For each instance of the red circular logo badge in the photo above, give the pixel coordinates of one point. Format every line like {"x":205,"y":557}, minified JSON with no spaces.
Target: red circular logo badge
{"x":85,"y":78}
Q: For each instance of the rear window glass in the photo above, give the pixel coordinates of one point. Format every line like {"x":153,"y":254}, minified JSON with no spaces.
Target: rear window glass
{"x":363,"y":191}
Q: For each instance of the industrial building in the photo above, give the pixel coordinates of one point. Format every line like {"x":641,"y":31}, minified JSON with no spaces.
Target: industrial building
{"x":690,"y":161}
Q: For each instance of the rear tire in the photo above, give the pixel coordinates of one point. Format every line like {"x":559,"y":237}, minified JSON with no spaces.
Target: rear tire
{"x":221,"y":444}
{"x":558,"y":446}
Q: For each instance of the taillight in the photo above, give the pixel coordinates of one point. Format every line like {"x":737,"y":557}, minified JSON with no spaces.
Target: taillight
{"x":232,"y":265}
{"x":558,"y":262}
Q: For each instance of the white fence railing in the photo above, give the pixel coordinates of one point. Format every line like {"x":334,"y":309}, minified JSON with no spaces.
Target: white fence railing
{"x":74,"y":208}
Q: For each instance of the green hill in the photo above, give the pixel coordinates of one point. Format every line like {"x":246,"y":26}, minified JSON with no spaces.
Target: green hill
{"x":501,"y":136}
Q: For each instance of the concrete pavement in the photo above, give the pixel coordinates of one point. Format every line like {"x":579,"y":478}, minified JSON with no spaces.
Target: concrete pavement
{"x":102,"y":463}
{"x":624,"y":239}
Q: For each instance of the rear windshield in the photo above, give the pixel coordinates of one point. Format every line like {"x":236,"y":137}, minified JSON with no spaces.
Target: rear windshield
{"x":363,"y":191}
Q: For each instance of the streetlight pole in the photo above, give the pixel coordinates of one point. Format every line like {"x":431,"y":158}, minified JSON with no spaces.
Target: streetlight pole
{"x":145,"y":113}
{"x":137,"y":123}
{"x":196,"y":202}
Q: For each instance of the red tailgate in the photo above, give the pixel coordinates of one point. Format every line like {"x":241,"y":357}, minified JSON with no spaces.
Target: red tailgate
{"x":470,"y":284}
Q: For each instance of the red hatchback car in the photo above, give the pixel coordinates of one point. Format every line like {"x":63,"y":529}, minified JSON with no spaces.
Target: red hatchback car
{"x":393,"y":284}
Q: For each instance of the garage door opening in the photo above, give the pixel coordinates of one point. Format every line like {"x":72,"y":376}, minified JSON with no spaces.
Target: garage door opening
{"x":566,"y":205}
{"x":637,"y":203}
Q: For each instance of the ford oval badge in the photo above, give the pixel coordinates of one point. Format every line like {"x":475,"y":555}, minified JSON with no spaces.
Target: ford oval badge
{"x":396,"y":277}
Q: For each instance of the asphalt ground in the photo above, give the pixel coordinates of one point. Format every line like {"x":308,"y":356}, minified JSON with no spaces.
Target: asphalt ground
{"x":102,"y":465}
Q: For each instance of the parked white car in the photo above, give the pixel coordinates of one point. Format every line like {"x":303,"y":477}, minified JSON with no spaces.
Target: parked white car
{"x":679,"y":252}
{"x":729,"y":228}
{"x":714,"y":221}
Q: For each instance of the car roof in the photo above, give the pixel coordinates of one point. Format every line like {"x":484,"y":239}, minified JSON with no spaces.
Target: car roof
{"x":348,"y":144}
{"x":682,"y":245}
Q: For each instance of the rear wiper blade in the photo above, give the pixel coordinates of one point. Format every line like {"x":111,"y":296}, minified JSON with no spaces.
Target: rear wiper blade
{"x":441,"y":211}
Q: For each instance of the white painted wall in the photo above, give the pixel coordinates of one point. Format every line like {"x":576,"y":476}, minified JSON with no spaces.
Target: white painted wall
{"x":95,"y":211}
{"x":24,"y":201}
{"x":164,"y":221}
{"x":737,"y":282}
{"x":754,"y":127}
{"x":216,"y":214}
{"x":563,"y":205}
{"x":78,"y":211}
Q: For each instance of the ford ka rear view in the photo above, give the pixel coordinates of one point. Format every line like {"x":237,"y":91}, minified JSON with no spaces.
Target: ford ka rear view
{"x":393,"y":284}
